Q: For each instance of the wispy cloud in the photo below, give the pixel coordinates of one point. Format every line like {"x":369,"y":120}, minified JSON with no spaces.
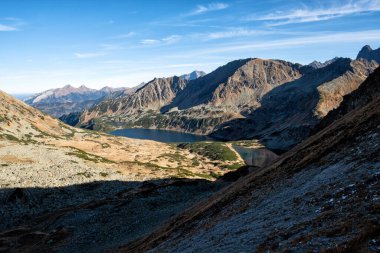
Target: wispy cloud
{"x":149,"y":42}
{"x":200,"y":9}
{"x":124,"y":35}
{"x":318,"y":14}
{"x":10,"y":24}
{"x":171,"y":39}
{"x":7,"y":28}
{"x":88,"y":55}
{"x":164,"y":41}
{"x":236,"y":32}
{"x":294,"y":42}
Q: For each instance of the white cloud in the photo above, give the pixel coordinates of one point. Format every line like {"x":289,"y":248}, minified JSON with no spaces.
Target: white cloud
{"x":88,"y":55}
{"x":207,"y":8}
{"x":7,"y":28}
{"x":164,"y":41}
{"x":8,"y":24}
{"x":125,"y":35}
{"x":171,"y":39}
{"x":150,"y":42}
{"x":236,"y":32}
{"x":319,"y":14}
{"x":364,"y":37}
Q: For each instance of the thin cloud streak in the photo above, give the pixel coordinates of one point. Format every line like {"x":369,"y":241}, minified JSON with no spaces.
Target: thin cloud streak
{"x":88,"y":55}
{"x":149,"y":42}
{"x":313,"y":15}
{"x":344,"y":37}
{"x":9,"y":24}
{"x":125,"y":35}
{"x":236,"y":32}
{"x":201,"y":9}
{"x":7,"y":28}
{"x":164,"y":41}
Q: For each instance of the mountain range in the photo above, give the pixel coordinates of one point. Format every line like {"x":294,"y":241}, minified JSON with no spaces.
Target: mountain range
{"x":67,"y":189}
{"x":275,"y":101}
{"x":68,"y":99}
{"x":63,"y":187}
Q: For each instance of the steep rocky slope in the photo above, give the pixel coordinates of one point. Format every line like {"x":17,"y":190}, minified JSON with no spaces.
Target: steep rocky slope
{"x":151,"y":97}
{"x":321,"y":196}
{"x":289,"y":113}
{"x":239,"y":83}
{"x":199,"y":105}
{"x":367,"y":92}
{"x":68,"y":99}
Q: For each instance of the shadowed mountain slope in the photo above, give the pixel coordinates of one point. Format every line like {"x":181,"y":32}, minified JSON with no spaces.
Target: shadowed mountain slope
{"x":322,"y":196}
{"x":238,"y":83}
{"x":367,"y":92}
{"x":288,"y":113}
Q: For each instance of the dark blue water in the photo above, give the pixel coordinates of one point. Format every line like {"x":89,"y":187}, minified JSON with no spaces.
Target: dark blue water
{"x":159,"y":135}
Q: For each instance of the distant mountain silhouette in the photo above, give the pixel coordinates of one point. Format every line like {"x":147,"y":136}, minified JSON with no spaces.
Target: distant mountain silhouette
{"x":68,"y":99}
{"x":368,"y":54}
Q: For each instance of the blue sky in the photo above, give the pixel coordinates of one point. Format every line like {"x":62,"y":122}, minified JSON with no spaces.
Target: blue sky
{"x":48,"y":44}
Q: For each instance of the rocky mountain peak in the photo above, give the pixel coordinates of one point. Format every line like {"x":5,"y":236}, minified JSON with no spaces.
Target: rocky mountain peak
{"x":193,"y":75}
{"x":83,"y":87}
{"x":369,"y":54}
{"x":68,"y":86}
{"x":318,"y":65}
{"x":106,"y":88}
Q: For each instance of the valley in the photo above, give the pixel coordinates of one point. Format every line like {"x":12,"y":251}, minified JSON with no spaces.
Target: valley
{"x":274,"y":101}
{"x":189,"y":126}
{"x":51,"y":174}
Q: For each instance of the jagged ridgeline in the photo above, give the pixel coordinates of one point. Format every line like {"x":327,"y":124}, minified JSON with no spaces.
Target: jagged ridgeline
{"x":275,"y":101}
{"x":63,"y":187}
{"x":68,"y":99}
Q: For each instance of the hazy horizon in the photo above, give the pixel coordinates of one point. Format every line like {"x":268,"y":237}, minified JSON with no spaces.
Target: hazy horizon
{"x":121,"y":43}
